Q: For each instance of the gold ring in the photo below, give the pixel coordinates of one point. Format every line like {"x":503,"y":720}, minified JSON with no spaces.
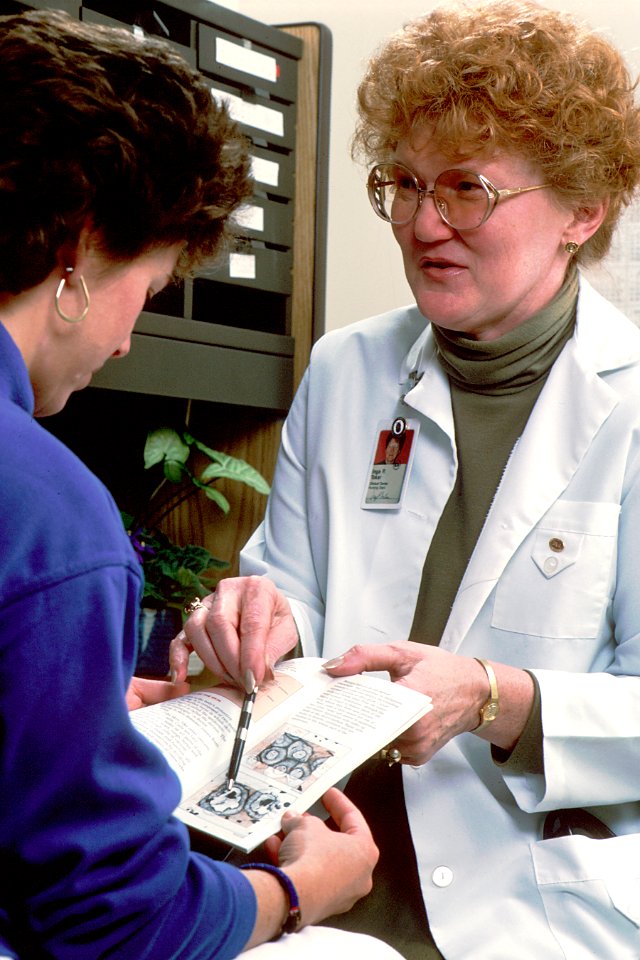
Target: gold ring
{"x":196,"y":604}
{"x":391,"y":755}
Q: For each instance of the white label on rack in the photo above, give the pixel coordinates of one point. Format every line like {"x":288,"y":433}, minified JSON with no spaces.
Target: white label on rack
{"x":253,"y":114}
{"x":242,"y":266}
{"x":249,"y":61}
{"x":251,"y":217}
{"x":265,"y":171}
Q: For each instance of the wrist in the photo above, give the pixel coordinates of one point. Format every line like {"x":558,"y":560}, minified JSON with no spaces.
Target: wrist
{"x":292,"y":918}
{"x":491,"y":705}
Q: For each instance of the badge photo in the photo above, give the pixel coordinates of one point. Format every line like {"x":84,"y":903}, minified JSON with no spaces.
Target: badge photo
{"x":390,"y":464}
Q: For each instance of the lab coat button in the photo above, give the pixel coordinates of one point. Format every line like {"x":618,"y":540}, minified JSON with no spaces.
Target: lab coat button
{"x":556,"y":544}
{"x":442,"y":876}
{"x":550,"y":564}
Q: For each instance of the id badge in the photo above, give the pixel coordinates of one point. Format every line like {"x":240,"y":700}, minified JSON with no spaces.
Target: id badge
{"x":390,"y":464}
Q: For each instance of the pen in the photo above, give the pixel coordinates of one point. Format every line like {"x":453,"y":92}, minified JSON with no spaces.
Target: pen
{"x":241,"y":736}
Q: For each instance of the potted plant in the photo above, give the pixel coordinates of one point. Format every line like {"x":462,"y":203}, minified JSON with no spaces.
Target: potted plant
{"x":174,"y":575}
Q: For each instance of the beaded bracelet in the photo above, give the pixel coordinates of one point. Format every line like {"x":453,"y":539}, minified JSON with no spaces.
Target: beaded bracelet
{"x":294,"y":919}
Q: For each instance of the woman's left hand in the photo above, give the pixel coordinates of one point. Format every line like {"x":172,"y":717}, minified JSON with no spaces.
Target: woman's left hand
{"x":143,"y":692}
{"x":458,"y":686}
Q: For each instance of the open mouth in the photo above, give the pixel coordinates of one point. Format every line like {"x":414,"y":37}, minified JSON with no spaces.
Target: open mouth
{"x":439,"y":265}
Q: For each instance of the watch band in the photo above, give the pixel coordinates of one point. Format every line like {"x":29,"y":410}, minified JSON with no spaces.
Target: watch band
{"x":491,"y":708}
{"x":294,"y":919}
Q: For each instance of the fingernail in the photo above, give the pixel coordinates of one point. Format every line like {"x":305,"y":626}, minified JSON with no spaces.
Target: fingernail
{"x":174,"y":676}
{"x":249,"y":681}
{"x":336,"y":662}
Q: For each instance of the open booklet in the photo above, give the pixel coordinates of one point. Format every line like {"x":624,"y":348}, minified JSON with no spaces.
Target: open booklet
{"x":308,"y":731}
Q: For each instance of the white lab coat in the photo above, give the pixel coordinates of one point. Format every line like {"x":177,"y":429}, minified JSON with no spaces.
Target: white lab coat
{"x":492,"y":888}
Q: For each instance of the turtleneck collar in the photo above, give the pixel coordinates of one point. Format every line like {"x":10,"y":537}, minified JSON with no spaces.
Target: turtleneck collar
{"x":519,"y":358}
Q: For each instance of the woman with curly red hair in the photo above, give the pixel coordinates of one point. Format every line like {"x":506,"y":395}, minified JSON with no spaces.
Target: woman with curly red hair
{"x":503,"y":143}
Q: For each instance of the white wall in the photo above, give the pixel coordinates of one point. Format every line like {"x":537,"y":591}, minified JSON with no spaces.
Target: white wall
{"x":364,"y":272}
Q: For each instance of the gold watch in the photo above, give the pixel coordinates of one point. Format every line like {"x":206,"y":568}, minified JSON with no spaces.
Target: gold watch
{"x":491,"y":708}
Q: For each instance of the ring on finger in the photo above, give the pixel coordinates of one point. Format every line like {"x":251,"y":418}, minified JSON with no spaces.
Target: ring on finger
{"x":196,"y":604}
{"x":391,"y":755}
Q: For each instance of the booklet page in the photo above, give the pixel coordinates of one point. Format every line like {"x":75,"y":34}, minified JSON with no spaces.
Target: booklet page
{"x":309,"y":730}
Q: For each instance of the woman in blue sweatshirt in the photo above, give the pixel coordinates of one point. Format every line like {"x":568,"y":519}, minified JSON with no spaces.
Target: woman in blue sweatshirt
{"x":118,"y":172}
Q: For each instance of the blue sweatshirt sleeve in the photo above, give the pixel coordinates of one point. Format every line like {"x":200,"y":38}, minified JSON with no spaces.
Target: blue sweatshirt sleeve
{"x":94,"y":862}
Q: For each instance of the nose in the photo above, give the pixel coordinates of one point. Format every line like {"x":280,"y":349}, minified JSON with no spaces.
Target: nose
{"x":428,"y":225}
{"x":122,"y":350}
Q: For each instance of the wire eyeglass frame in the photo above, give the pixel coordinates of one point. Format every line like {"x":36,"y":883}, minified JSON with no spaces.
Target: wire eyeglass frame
{"x":378,"y":181}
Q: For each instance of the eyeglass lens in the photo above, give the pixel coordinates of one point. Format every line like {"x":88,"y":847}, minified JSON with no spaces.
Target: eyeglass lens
{"x":460,"y":196}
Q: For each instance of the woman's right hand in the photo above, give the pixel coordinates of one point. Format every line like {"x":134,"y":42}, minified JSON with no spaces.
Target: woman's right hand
{"x":330,"y":869}
{"x":239,"y":633}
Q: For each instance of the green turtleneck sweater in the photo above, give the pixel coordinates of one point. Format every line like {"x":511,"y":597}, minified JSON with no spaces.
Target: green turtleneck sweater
{"x":494,"y":386}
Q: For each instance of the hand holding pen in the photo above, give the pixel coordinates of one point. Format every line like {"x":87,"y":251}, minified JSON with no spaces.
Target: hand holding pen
{"x":243,"y":729}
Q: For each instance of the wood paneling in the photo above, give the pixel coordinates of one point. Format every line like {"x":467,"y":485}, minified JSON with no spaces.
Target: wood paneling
{"x":305,"y":197}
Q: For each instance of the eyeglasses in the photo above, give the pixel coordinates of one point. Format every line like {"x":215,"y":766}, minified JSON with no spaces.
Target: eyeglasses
{"x":463,"y":199}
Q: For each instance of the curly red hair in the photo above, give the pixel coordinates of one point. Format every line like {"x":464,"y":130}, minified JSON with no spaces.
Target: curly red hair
{"x":517,"y":77}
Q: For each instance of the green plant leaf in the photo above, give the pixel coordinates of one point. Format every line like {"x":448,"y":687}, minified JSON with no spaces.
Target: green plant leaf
{"x":216,"y":496}
{"x":165,"y":445}
{"x":175,"y":575}
{"x":232,"y":468}
{"x":127,"y":519}
{"x":191,"y":440}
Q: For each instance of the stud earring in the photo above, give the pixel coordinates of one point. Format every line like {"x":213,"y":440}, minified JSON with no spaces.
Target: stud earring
{"x":571,"y":247}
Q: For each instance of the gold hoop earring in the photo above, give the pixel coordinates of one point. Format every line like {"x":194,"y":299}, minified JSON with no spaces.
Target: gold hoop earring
{"x":64,"y":316}
{"x":571,"y":247}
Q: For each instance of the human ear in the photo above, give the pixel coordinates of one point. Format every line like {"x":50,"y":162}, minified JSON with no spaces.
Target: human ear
{"x":78,"y":252}
{"x":585,"y":221}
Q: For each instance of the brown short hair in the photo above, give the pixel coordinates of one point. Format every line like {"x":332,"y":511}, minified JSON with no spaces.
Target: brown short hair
{"x":99,"y":126}
{"x":514,"y":76}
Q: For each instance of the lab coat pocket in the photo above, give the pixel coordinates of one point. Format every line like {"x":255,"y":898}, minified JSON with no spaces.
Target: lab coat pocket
{"x":558,"y":583}
{"x":591,"y":894}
